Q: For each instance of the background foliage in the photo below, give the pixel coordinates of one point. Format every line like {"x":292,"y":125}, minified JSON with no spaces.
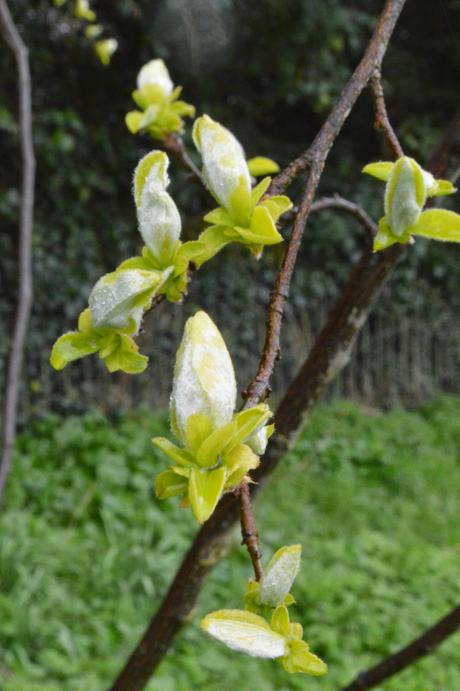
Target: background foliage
{"x":270,"y":70}
{"x":86,"y":552}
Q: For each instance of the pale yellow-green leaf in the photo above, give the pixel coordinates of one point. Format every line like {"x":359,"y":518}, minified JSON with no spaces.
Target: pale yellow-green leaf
{"x":441,"y":188}
{"x":133,"y":120}
{"x":169,"y":484}
{"x":277,"y":206}
{"x":173,"y":452}
{"x":204,"y":491}
{"x":239,"y":461}
{"x":300,"y":659}
{"x":72,"y":346}
{"x":260,"y":165}
{"x":245,"y":632}
{"x":380,"y":170}
{"x":279,"y":575}
{"x":259,"y":190}
{"x":197,"y":428}
{"x":280,"y":620}
{"x":438,"y":224}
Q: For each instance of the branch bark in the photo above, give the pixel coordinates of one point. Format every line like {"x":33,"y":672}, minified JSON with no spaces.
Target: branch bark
{"x":210,"y":540}
{"x":249,"y":534}
{"x":382,"y":122}
{"x":425,"y":644}
{"x":338,"y":203}
{"x":25,"y":281}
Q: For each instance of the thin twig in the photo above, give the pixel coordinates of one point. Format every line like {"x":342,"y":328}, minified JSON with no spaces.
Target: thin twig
{"x":338,"y":203}
{"x":25,"y":281}
{"x":249,"y":533}
{"x":205,"y":549}
{"x":174,"y":144}
{"x":382,"y":121}
{"x":421,"y":646}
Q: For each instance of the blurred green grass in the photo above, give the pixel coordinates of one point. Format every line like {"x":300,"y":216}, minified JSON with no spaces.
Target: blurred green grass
{"x":86,"y":552}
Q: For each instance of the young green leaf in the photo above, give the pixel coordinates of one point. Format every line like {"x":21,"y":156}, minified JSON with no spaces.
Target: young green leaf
{"x":260,"y":165}
{"x":204,"y":491}
{"x":438,"y":224}
{"x":245,"y":632}
{"x":280,"y":575}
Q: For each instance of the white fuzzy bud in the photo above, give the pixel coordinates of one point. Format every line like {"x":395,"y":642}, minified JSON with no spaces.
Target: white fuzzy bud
{"x":224,"y":164}
{"x":279,"y":575}
{"x":159,"y":219}
{"x":204,"y":380}
{"x":155,"y":73}
{"x":118,"y":298}
{"x":405,"y":194}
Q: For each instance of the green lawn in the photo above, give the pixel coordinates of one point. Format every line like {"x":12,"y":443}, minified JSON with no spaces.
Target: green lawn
{"x":86,"y":552}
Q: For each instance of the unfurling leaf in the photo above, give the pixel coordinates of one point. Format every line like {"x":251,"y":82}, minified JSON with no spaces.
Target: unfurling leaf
{"x":280,"y":575}
{"x":250,"y":633}
{"x":105,"y":49}
{"x":121,"y":296}
{"x":159,"y":219}
{"x":245,"y":632}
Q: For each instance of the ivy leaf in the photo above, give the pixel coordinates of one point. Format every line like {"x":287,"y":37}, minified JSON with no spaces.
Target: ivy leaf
{"x":204,"y":491}
{"x":246,"y":632}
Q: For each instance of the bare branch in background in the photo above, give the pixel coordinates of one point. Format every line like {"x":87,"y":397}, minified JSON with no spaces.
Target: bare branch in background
{"x":414,"y":651}
{"x":24,"y":301}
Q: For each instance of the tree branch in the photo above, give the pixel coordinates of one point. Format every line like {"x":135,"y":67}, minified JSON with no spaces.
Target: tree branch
{"x":249,"y":530}
{"x":174,"y":144}
{"x":338,"y":203}
{"x":24,"y":301}
{"x":418,"y":648}
{"x":209,"y":541}
{"x":382,"y":122}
